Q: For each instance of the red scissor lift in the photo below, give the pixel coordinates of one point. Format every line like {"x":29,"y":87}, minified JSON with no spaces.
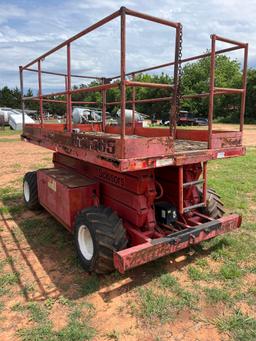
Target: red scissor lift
{"x":131,"y":194}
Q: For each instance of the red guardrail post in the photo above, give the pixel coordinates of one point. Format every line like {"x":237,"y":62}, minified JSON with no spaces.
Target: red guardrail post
{"x":104,"y":105}
{"x":211,"y":90}
{"x":133,"y":104}
{"x":40,"y":93}
{"x":68,"y":95}
{"x":243,"y":98}
{"x":22,"y":95}
{"x":123,"y":71}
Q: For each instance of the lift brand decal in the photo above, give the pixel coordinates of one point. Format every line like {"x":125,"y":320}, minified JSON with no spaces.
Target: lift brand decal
{"x":109,"y":177}
{"x":92,"y":143}
{"x":52,"y":185}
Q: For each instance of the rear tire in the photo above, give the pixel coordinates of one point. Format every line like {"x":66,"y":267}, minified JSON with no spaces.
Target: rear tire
{"x":30,"y":194}
{"x":215,"y":207}
{"x":98,"y":232}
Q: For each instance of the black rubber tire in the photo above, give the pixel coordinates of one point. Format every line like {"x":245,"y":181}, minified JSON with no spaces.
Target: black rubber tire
{"x":32,"y":201}
{"x":107,"y":233}
{"x":215,"y":207}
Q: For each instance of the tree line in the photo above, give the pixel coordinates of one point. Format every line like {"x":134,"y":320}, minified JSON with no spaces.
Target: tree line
{"x":195,"y":79}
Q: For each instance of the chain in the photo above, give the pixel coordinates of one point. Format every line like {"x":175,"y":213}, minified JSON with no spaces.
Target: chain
{"x":178,"y":97}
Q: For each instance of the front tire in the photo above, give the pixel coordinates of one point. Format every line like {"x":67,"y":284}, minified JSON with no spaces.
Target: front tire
{"x":30,"y":194}
{"x":99,"y":232}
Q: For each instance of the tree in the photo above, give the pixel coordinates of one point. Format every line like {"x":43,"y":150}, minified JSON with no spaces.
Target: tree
{"x":250,"y":112}
{"x":196,"y":78}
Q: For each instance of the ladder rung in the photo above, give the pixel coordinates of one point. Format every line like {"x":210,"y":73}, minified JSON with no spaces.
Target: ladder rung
{"x":192,"y":183}
{"x":189,"y":208}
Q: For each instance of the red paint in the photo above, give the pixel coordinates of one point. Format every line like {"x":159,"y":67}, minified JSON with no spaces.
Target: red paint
{"x":144,"y":253}
{"x":64,"y":193}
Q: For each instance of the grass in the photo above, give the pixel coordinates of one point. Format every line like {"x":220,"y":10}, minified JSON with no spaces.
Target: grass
{"x":216,"y":295}
{"x":7,"y":132}
{"x":232,"y":177}
{"x":9,"y":279}
{"x":9,"y":140}
{"x":44,"y":232}
{"x":230,"y":271}
{"x":77,"y":328}
{"x":165,"y":302}
{"x":155,"y":305}
{"x":38,"y":313}
{"x":241,"y":327}
{"x":90,"y":285}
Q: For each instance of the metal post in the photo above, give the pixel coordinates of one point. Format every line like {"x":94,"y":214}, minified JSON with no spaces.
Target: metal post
{"x":104,"y":106}
{"x":22,"y":100}
{"x":123,"y":70}
{"x":243,"y":98}
{"x":133,"y":104}
{"x":69,"y":100}
{"x":211,"y":91}
{"x":173,"y":110}
{"x":40,"y":93}
{"x":205,"y":183}
{"x":180,"y":182}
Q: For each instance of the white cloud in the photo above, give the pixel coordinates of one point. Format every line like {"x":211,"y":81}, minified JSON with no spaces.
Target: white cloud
{"x":8,"y":11}
{"x":24,"y":35}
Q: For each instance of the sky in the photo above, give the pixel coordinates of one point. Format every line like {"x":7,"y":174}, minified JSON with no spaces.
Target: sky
{"x":30,"y":28}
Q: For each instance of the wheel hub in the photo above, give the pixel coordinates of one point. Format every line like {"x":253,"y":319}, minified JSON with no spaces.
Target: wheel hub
{"x":85,"y":242}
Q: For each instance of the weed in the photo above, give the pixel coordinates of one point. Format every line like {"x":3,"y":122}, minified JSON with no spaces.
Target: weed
{"x":76,"y":331}
{"x":198,"y":274}
{"x":26,"y":289}
{"x":19,"y":307}
{"x":9,"y":279}
{"x":90,"y":285}
{"x":37,"y":312}
{"x":202,"y":263}
{"x":241,"y":327}
{"x":230,"y":271}
{"x":155,"y":305}
{"x":216,"y":295}
{"x":65,"y":301}
{"x":42,"y":332}
{"x":9,"y":194}
{"x":49,"y":303}
{"x":168,"y":281}
{"x":77,"y":328}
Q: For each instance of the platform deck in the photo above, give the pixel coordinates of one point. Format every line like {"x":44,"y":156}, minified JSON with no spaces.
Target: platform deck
{"x":147,"y":148}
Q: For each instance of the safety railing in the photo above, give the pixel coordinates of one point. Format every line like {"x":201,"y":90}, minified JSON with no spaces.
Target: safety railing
{"x":120,"y":81}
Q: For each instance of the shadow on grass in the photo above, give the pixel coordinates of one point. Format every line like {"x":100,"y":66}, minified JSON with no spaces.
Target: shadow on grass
{"x":54,"y":248}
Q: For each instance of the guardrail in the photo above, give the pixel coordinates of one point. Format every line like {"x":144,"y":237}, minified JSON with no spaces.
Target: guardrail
{"x":122,"y":83}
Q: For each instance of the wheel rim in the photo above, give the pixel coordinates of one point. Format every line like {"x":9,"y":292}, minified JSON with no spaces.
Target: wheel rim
{"x":26,"y":191}
{"x":85,"y":242}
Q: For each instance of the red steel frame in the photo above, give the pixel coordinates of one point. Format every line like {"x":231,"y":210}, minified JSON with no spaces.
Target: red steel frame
{"x":132,"y":194}
{"x":123,"y":12}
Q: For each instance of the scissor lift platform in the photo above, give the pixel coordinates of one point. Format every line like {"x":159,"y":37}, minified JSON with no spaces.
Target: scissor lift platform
{"x":149,"y":148}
